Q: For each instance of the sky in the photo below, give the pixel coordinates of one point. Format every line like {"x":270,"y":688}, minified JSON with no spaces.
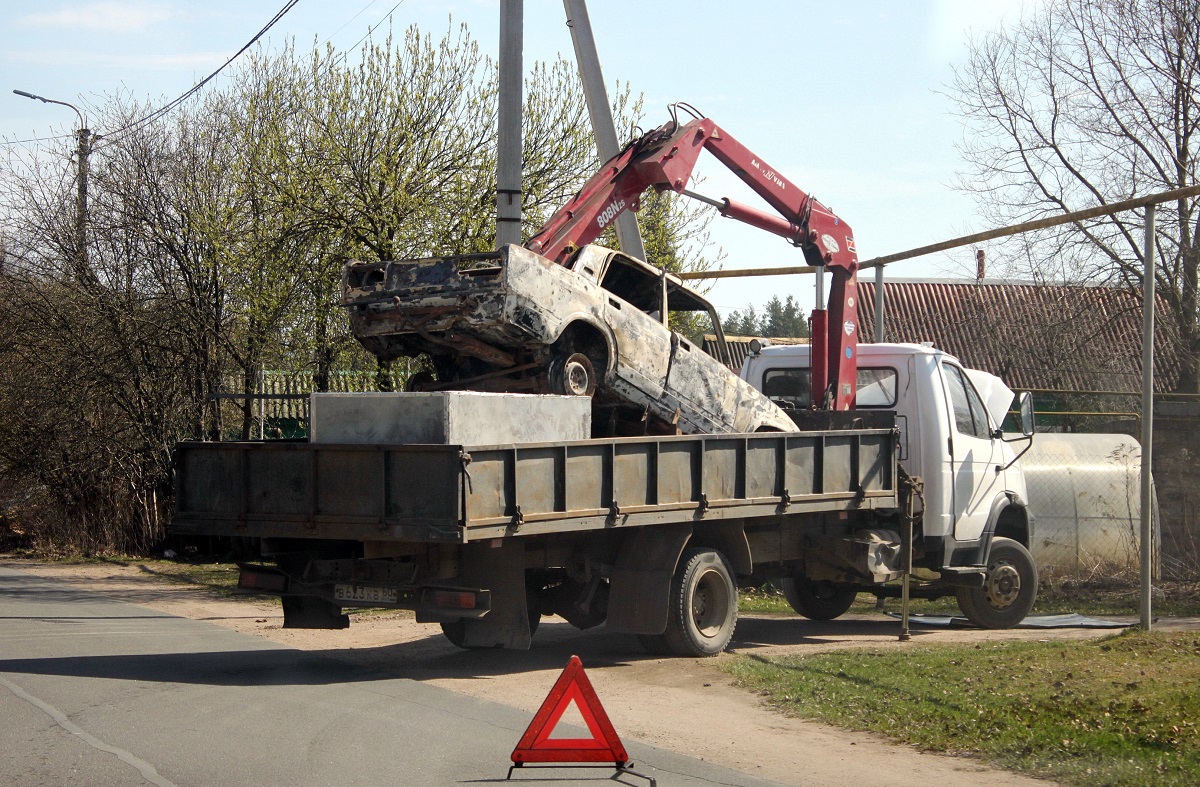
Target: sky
{"x":846,"y":99}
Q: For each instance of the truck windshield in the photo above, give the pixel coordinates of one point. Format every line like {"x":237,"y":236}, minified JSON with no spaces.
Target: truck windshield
{"x":876,"y":387}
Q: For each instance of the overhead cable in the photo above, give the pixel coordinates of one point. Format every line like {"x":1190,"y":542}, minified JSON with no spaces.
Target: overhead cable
{"x":164,"y":109}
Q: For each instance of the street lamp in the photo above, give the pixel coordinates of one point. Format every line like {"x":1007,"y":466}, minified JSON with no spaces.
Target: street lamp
{"x":83,"y":151}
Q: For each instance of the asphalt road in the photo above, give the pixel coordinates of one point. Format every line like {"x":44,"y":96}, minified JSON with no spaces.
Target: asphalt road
{"x":100,"y":692}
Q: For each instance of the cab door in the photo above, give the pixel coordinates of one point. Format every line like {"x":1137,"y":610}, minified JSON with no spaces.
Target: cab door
{"x":974,"y":455}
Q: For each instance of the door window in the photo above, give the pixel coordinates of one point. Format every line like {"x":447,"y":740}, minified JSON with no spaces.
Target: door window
{"x":970,"y":416}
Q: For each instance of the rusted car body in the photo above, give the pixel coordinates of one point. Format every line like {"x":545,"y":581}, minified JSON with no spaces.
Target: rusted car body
{"x":512,"y":320}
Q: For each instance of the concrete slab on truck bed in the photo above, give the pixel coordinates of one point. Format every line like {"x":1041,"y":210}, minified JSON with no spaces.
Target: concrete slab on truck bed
{"x":448,"y":418}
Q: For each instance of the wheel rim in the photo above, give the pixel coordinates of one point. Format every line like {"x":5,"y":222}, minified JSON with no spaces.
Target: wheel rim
{"x":1003,"y":585}
{"x":576,"y":379}
{"x":710,"y":604}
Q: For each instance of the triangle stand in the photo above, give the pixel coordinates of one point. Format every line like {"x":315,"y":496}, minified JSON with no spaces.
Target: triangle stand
{"x":536,"y":745}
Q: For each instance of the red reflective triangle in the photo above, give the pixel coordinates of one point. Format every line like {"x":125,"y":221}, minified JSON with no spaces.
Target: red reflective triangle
{"x":536,"y":745}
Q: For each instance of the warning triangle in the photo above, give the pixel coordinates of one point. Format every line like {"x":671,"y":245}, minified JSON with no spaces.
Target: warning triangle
{"x":572,"y":686}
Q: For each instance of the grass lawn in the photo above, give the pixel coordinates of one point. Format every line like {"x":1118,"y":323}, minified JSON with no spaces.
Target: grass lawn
{"x":1121,"y":710}
{"x":1098,"y":597}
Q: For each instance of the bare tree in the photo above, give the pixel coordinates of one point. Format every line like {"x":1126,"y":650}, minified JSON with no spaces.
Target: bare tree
{"x":1088,"y":102}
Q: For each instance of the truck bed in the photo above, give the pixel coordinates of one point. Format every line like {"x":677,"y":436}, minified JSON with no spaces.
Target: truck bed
{"x":457,"y":494}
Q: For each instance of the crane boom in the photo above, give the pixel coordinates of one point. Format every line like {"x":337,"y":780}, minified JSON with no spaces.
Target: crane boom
{"x":664,"y":159}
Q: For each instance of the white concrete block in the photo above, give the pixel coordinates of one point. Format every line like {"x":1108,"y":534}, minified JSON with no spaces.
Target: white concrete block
{"x":448,"y":418}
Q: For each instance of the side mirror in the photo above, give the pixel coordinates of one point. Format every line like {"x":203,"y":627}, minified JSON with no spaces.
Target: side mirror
{"x":1026,"y":413}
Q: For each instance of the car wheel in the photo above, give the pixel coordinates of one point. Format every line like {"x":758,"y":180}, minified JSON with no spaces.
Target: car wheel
{"x":572,"y":375}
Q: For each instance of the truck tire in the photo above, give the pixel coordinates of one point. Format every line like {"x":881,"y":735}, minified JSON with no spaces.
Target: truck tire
{"x":572,"y":375}
{"x":817,"y":600}
{"x":1008,"y":591}
{"x":703,"y":607}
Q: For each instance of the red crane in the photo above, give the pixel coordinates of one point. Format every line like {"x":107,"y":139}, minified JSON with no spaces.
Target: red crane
{"x":664,"y":159}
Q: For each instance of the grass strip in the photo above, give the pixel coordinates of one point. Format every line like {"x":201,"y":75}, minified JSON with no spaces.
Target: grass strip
{"x":1120,"y":710}
{"x":1172,"y":599}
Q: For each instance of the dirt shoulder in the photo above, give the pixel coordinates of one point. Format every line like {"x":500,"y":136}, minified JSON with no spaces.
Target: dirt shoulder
{"x":685,"y":705}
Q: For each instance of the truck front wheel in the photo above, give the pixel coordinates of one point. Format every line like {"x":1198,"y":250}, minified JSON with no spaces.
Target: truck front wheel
{"x":703,"y":611}
{"x":817,"y":600}
{"x":1008,"y":592}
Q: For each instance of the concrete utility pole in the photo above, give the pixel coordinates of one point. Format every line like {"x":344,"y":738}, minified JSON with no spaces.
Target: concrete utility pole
{"x":603,"y":127}
{"x":1147,"y":419}
{"x":83,"y":151}
{"x":508,"y":136}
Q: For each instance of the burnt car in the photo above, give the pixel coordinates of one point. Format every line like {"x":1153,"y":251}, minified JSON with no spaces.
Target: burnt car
{"x":512,"y":320}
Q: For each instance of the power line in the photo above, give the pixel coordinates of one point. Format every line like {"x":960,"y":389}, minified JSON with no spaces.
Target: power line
{"x":370,"y":30}
{"x":351,"y":19}
{"x":110,"y":137}
{"x":200,"y":85}
{"x":34,"y":139}
{"x":341,"y":56}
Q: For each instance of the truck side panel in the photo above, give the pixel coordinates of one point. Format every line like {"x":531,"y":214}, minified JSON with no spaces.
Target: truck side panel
{"x":440,"y":493}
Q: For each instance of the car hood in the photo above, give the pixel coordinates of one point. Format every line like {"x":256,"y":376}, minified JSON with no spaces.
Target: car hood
{"x":997,"y":397}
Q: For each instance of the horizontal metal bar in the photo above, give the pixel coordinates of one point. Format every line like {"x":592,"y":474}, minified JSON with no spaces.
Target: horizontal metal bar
{"x":1138,"y":394}
{"x":746,"y":272}
{"x":1036,"y":224}
{"x":967,"y":240}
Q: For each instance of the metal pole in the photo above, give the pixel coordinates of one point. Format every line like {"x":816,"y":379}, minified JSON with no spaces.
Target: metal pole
{"x":508,"y":133}
{"x":1037,"y":224}
{"x":81,"y":185}
{"x":879,"y":304}
{"x":742,"y":273}
{"x":596,"y":95}
{"x":1147,"y":542}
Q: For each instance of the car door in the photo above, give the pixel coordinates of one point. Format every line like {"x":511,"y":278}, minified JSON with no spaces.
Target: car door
{"x":632,"y":309}
{"x":973,"y":455}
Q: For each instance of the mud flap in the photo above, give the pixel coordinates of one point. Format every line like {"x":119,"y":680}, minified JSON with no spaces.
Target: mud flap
{"x":309,"y":612}
{"x":501,"y":569}
{"x":640,"y":587}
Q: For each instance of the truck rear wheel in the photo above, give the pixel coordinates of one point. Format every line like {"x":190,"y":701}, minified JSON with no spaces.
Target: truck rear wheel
{"x":817,"y":600}
{"x":1008,"y":591}
{"x":703,"y":611}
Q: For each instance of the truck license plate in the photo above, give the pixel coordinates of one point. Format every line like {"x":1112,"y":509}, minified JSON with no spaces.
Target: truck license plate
{"x":361,"y":593}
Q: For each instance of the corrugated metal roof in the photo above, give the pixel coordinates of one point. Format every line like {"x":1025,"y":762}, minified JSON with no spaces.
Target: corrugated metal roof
{"x":1032,"y":336}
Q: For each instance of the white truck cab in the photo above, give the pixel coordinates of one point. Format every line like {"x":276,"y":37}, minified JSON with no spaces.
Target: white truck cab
{"x":975,"y":501}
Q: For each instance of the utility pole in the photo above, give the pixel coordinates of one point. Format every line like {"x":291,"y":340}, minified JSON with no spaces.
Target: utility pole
{"x":1147,"y":483}
{"x":83,"y":151}
{"x":596,"y":95}
{"x":508,"y":132}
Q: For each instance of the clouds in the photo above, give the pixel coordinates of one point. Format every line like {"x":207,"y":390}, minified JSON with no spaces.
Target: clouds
{"x":101,"y":17}
{"x":186,"y":61}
